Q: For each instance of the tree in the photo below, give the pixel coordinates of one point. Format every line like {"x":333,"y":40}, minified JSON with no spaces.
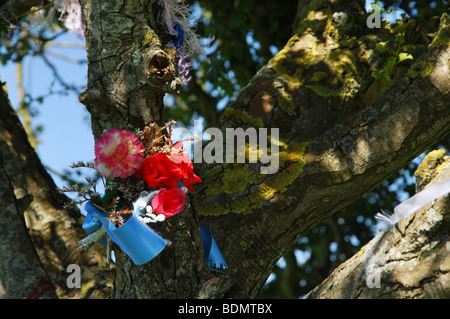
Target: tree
{"x":409,"y":260}
{"x":350,"y":114}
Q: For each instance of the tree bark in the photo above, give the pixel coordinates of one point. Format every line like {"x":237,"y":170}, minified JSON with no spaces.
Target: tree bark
{"x":336,"y":143}
{"x":129,"y":73}
{"x":408,"y":260}
{"x":20,"y":266}
{"x":38,"y":239}
{"x":340,"y":162}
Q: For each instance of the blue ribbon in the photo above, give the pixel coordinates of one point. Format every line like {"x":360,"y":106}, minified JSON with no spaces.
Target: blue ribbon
{"x":179,"y":39}
{"x":212,"y":254}
{"x":140,"y":242}
{"x":134,"y":237}
{"x":91,"y":224}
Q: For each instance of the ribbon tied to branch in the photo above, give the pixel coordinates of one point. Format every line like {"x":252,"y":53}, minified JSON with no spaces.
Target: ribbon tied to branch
{"x":139,"y":241}
{"x":415,"y":202}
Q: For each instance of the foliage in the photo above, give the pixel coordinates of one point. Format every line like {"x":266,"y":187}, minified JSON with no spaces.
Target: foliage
{"x":395,"y":48}
{"x":414,"y":28}
{"x":5,"y":27}
{"x":245,"y":33}
{"x":425,"y":12}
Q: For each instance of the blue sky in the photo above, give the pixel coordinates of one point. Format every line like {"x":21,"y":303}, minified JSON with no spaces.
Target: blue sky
{"x":67,"y":135}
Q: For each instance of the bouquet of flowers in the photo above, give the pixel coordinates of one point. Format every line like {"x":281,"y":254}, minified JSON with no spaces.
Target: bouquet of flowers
{"x":148,"y":160}
{"x":146,"y":177}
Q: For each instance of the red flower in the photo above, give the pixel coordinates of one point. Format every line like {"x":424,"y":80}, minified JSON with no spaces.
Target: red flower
{"x":159,"y":171}
{"x":162,"y":171}
{"x":169,"y":202}
{"x":185,"y":168}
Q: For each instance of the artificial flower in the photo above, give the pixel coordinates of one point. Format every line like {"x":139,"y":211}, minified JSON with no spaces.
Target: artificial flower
{"x":185,"y":167}
{"x":169,"y":202}
{"x":118,"y":153}
{"x":159,"y":171}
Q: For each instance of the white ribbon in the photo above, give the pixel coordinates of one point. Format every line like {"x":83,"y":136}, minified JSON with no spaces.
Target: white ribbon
{"x":412,"y":204}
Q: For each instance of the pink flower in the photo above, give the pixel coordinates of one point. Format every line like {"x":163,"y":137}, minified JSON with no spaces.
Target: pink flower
{"x":118,"y":153}
{"x":169,"y":202}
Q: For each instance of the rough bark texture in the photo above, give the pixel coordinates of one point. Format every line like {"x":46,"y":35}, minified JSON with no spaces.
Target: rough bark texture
{"x":408,"y":260}
{"x":20,"y":267}
{"x":129,"y":73}
{"x":257,"y":218}
{"x":33,"y":222}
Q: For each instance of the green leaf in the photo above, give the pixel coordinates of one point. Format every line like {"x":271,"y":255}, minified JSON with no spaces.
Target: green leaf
{"x":390,"y":62}
{"x":381,"y":47}
{"x":404,"y":56}
{"x":407,"y":47}
{"x":4,"y":26}
{"x":108,"y":198}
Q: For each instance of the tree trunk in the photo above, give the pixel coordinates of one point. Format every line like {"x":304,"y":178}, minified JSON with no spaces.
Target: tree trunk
{"x":38,"y":239}
{"x":408,"y":260}
{"x":129,"y":73}
{"x":20,"y":266}
{"x":341,"y":134}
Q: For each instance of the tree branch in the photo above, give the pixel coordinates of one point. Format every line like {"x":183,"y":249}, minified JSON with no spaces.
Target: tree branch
{"x":337,"y":166}
{"x":18,"y":9}
{"x":406,"y":260}
{"x":20,"y":267}
{"x":33,"y":202}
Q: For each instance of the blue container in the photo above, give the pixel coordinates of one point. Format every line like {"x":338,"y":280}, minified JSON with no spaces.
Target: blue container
{"x":134,"y":237}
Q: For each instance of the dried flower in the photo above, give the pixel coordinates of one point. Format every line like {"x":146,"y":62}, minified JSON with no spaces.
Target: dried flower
{"x":184,"y":67}
{"x":118,"y":153}
{"x":119,"y":217}
{"x":174,"y":18}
